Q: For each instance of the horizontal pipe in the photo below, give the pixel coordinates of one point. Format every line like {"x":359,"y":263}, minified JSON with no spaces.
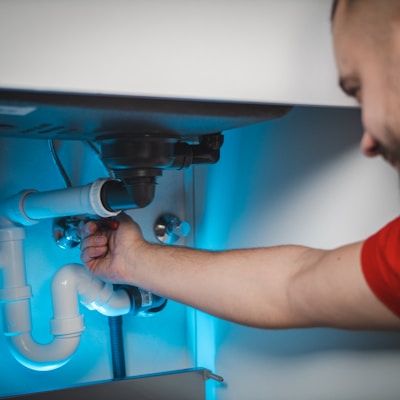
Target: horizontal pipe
{"x":29,"y":206}
{"x":104,"y":198}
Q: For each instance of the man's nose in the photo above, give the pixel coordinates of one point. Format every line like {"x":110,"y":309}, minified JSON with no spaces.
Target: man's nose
{"x":369,"y":146}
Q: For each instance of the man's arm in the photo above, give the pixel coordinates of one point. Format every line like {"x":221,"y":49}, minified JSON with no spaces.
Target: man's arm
{"x":277,"y":287}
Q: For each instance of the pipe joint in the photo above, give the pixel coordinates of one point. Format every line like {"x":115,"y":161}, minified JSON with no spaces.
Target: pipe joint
{"x":11,"y":234}
{"x":14,"y":208}
{"x":94,"y":300}
{"x":96,"y":201}
{"x":30,"y":206}
{"x":15,"y":293}
{"x":67,"y":326}
{"x":109,"y":302}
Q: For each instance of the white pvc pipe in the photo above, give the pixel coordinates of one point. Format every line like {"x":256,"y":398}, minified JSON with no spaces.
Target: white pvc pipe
{"x":71,"y":281}
{"x":40,"y":357}
{"x":95,"y":294}
{"x":29,"y":206}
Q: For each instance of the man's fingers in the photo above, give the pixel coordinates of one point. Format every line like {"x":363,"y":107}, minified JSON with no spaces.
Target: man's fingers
{"x":94,"y":241}
{"x":86,"y":229}
{"x":90,"y":253}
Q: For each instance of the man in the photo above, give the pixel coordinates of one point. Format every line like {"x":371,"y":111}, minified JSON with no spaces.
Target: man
{"x":353,"y":287}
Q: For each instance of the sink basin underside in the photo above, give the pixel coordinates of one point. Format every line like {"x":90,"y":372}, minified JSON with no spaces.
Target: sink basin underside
{"x":76,"y":116}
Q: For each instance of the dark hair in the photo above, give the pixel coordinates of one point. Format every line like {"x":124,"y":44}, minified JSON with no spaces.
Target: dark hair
{"x":333,"y":9}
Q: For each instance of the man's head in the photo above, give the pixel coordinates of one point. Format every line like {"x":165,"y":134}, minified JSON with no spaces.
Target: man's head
{"x":366,"y":35}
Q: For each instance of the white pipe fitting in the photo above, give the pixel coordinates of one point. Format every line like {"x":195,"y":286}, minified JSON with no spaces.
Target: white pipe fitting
{"x":29,"y":206}
{"x":94,"y":294}
{"x":71,"y":281}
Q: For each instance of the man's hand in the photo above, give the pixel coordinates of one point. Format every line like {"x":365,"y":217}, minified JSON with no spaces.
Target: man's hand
{"x":107,"y":247}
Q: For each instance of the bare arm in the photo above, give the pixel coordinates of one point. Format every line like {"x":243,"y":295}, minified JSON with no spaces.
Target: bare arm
{"x":277,"y":287}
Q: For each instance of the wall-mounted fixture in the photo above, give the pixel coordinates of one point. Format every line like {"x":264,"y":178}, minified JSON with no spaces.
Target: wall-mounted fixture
{"x":168,"y":228}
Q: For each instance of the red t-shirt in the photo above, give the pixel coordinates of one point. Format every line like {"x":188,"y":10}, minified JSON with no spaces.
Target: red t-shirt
{"x":380,"y":260}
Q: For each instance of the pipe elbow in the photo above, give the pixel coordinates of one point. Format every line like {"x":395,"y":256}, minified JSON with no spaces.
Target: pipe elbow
{"x":75,"y":280}
{"x":69,"y":283}
{"x":41,"y":357}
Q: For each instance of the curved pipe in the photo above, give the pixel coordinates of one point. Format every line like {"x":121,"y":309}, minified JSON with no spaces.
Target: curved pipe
{"x":40,"y":357}
{"x":94,"y":294}
{"x":70,"y":281}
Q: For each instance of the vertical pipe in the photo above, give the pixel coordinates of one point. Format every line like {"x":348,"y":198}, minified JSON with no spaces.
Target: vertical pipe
{"x":117,"y":347}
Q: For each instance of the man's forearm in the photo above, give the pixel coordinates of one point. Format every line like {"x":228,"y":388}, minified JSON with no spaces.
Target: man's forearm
{"x":249,"y":287}
{"x":275,"y":288}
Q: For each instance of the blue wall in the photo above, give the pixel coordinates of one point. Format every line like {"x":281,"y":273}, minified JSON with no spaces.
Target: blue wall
{"x":300,"y":179}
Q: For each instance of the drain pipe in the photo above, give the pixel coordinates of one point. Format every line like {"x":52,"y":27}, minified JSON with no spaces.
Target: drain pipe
{"x":70,"y":281}
{"x":117,"y":347}
{"x":103,"y":197}
{"x":30,"y":206}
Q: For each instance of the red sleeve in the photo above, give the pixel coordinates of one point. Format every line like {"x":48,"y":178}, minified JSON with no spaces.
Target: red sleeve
{"x":380,"y":260}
